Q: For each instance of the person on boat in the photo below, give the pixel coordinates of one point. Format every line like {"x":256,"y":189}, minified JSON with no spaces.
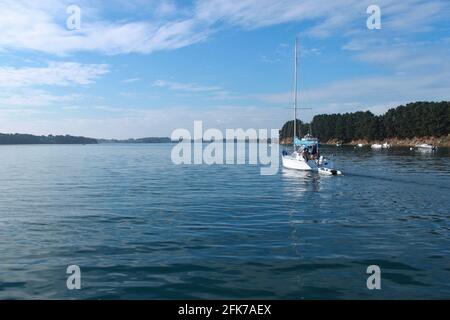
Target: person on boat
{"x":314,"y":152}
{"x":305,"y":154}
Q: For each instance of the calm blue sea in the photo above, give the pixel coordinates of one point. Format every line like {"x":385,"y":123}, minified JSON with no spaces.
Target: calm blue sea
{"x":140,"y":227}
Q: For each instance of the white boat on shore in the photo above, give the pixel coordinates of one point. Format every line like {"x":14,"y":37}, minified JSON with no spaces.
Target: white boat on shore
{"x":306,"y":155}
{"x":426,"y":147}
{"x":380,"y":146}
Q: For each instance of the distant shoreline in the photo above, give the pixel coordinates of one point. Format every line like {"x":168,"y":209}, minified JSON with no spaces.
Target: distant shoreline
{"x":29,"y":139}
{"x":443,"y":141}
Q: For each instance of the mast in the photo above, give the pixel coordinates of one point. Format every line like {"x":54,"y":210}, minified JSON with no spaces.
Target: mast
{"x":295,"y":91}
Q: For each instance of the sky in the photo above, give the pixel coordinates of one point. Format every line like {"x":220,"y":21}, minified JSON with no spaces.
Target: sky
{"x":139,"y":68}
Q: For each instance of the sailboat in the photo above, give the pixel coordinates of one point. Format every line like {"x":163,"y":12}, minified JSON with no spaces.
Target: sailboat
{"x":306,"y":154}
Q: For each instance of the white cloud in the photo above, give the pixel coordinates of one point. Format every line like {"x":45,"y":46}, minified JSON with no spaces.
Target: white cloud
{"x":413,"y":15}
{"x":131,"y":80}
{"x":251,"y":14}
{"x":208,"y":92}
{"x":166,"y":8}
{"x":40,"y":26}
{"x":32,"y":98}
{"x":28,"y":25}
{"x":368,"y":93}
{"x":410,"y":70}
{"x":54,"y":74}
{"x":326,"y":17}
{"x":188,"y":87}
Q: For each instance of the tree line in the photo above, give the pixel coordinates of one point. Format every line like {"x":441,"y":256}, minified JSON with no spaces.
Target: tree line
{"x":18,"y":138}
{"x":418,"y":119}
{"x":140,"y":140}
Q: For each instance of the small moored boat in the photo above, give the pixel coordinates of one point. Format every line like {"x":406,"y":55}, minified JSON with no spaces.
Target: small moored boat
{"x":425,"y":146}
{"x":329,"y":172}
{"x":380,"y":146}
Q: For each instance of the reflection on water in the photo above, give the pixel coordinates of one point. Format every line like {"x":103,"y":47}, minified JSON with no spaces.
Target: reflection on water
{"x":298,"y":182}
{"x":141,"y":228}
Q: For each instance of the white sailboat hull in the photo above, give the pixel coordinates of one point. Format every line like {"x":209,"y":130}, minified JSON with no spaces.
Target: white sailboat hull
{"x":290,"y":162}
{"x":294,"y":163}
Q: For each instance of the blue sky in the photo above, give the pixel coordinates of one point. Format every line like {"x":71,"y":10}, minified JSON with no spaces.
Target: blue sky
{"x":144,"y":68}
